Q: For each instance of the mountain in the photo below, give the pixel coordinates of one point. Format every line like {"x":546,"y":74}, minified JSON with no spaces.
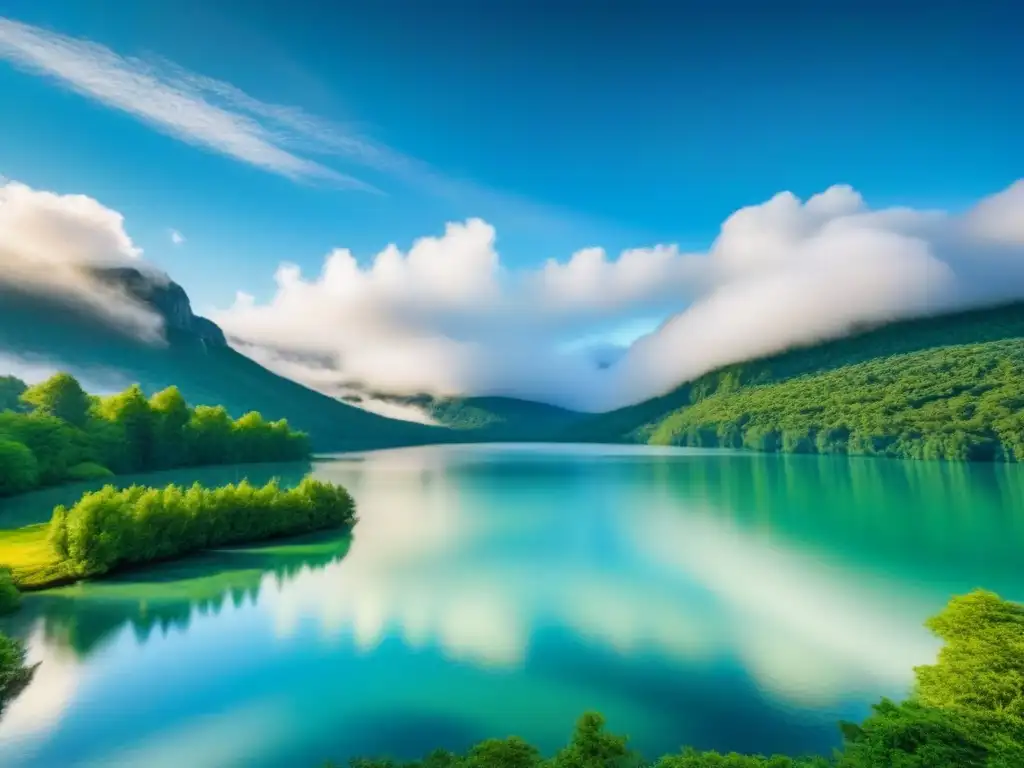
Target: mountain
{"x":948,"y":387}
{"x":59,"y":333}
{"x":196,"y":358}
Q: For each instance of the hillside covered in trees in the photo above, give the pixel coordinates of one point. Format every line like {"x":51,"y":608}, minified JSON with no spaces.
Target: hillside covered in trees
{"x":194,"y":358}
{"x":947,"y":387}
{"x":54,"y":432}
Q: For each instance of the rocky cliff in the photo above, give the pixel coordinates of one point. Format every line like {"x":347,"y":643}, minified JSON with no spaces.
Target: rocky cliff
{"x":165,"y":297}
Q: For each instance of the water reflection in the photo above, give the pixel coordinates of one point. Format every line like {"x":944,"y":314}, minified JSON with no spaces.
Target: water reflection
{"x":733,"y":601}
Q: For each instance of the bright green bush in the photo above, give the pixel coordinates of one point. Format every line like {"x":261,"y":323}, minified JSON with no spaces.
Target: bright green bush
{"x":108,"y":529}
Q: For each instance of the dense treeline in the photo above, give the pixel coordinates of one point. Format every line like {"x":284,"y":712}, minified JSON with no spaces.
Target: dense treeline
{"x":961,"y":403}
{"x":54,"y":432}
{"x":967,"y":711}
{"x":880,"y":344}
{"x":112,"y":528}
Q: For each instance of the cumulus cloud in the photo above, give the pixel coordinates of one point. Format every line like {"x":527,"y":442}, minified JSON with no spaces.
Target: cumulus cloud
{"x":447,"y":318}
{"x":49,"y":244}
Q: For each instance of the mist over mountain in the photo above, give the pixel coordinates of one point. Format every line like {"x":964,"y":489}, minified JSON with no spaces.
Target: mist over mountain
{"x":446,"y":320}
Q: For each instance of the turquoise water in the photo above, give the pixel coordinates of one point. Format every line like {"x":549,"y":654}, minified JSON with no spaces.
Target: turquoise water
{"x":726,"y":600}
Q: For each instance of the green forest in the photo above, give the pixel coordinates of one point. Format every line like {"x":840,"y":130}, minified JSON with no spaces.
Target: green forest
{"x":966,"y":711}
{"x":943,"y":387}
{"x":960,"y":403}
{"x":54,"y":432}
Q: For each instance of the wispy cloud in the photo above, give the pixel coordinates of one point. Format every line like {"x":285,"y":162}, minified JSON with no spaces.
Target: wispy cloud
{"x":283,"y":139}
{"x":186,"y":108}
{"x":176,"y":237}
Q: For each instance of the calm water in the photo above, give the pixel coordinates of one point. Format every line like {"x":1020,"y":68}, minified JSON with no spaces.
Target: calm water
{"x":730,"y":601}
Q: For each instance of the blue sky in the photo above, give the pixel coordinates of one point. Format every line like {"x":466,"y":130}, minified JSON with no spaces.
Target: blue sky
{"x":563,"y":124}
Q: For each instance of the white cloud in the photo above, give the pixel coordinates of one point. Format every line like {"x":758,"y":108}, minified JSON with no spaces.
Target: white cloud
{"x":49,"y":241}
{"x":1000,"y":218}
{"x":176,"y":237}
{"x":447,"y":318}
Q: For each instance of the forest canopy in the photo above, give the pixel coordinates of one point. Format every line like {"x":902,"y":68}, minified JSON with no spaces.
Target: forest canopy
{"x":959,"y":403}
{"x":55,"y":432}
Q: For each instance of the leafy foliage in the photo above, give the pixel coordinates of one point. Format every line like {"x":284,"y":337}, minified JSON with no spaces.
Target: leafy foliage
{"x":19,"y":470}
{"x":70,"y":436}
{"x":60,"y":396}
{"x":11,"y":389}
{"x":10,"y":597}
{"x":957,"y":403}
{"x":109,"y":528}
{"x":965,"y":713}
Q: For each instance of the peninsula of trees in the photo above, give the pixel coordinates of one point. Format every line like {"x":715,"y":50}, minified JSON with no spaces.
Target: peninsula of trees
{"x":54,"y":432}
{"x":111,"y":528}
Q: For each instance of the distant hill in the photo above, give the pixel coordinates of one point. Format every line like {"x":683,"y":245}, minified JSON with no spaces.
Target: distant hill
{"x":488,"y":419}
{"x":196,"y":358}
{"x":950,"y":386}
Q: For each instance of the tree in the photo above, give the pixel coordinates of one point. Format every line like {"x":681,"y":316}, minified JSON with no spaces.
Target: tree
{"x":512,"y":752}
{"x":130,"y":410}
{"x":209,"y":435}
{"x":171,"y":415}
{"x":19,"y":470}
{"x":60,"y":396}
{"x":11,"y":390}
{"x":55,"y":444}
{"x":592,"y":747}
{"x":910,"y":735}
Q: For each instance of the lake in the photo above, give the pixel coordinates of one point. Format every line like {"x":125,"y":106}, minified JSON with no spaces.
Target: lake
{"x":721,"y":599}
